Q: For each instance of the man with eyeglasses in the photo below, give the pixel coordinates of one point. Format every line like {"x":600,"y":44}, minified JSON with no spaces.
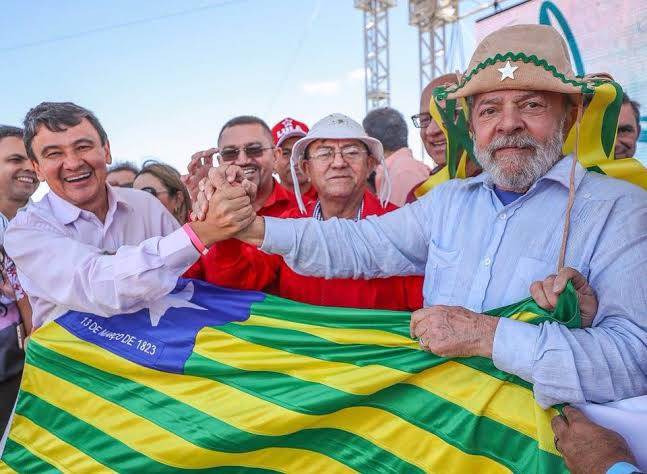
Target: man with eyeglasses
{"x":431,"y":135}
{"x":286,"y":133}
{"x":246,"y":142}
{"x":337,"y":156}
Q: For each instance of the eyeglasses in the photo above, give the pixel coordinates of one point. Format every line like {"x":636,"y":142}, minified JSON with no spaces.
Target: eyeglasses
{"x":153,"y":191}
{"x":252,"y":151}
{"x":421,"y":120}
{"x":348,"y":154}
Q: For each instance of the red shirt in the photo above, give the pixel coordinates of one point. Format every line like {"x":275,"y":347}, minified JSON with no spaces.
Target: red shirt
{"x":234,"y":264}
{"x":279,"y":203}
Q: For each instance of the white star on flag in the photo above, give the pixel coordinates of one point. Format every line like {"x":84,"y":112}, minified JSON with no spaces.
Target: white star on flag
{"x":507,"y":71}
{"x":181,"y":299}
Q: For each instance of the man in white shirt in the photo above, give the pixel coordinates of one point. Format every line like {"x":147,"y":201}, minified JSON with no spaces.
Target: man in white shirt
{"x":93,"y":248}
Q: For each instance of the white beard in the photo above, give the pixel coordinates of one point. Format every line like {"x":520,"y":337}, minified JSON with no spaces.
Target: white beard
{"x":531,"y":169}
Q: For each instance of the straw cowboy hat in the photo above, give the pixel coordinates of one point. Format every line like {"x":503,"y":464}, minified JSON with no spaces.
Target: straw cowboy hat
{"x":523,"y":57}
{"x":338,"y":127}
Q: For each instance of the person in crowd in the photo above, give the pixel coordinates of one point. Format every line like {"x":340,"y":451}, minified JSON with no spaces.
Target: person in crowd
{"x":15,"y":326}
{"x":431,"y":135}
{"x":246,"y":141}
{"x":482,"y":242}
{"x":336,"y":156}
{"x":628,"y":128}
{"x":389,"y":127}
{"x":285,"y":134}
{"x":164,"y":182}
{"x":18,"y":180}
{"x":589,"y":448}
{"x":122,"y":174}
{"x":116,"y":249}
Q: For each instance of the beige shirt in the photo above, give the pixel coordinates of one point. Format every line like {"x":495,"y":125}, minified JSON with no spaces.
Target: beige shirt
{"x":406,"y":173}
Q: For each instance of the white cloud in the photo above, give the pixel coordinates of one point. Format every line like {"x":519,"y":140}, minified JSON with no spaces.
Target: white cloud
{"x":357,"y":74}
{"x":321,"y":88}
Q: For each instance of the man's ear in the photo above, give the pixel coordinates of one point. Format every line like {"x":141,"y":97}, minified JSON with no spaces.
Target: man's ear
{"x":305,"y":168}
{"x":106,"y":148}
{"x":371,"y":163}
{"x":278,"y":154}
{"x":39,"y":175}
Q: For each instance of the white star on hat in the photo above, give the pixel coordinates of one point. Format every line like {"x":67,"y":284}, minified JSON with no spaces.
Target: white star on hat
{"x":507,"y":71}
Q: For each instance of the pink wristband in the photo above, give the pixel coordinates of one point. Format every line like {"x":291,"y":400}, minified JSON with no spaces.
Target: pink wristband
{"x":195,"y":240}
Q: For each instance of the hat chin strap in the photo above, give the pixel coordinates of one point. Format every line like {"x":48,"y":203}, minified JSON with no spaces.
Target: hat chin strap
{"x":385,"y":192}
{"x":295,"y":185}
{"x":571,"y":190}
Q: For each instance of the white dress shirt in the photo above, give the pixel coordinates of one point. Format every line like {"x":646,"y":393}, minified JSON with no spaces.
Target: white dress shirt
{"x":67,"y":259}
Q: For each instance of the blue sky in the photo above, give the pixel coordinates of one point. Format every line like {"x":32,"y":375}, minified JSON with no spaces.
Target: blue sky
{"x":163,"y":87}
{"x":164,"y":75}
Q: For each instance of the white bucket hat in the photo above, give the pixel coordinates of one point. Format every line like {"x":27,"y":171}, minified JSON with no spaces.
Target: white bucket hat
{"x":338,"y":127}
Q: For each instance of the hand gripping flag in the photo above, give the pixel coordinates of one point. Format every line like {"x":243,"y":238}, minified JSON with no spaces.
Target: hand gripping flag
{"x":218,"y":380}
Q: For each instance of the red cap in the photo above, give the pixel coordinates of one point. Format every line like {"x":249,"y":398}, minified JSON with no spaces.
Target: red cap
{"x":286,"y":128}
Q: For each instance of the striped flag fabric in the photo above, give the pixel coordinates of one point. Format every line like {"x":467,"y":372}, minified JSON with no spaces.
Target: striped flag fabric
{"x":216,"y":380}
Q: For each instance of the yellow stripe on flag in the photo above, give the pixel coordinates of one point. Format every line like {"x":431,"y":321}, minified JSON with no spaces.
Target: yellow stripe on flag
{"x":336,"y":335}
{"x":42,"y":444}
{"x":258,"y":416}
{"x":484,"y":395}
{"x":342,"y":376}
{"x":157,"y":443}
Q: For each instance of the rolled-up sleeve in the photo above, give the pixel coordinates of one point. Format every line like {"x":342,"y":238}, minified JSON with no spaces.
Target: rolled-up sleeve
{"x":608,"y":361}
{"x":392,"y":244}
{"x":81,"y":277}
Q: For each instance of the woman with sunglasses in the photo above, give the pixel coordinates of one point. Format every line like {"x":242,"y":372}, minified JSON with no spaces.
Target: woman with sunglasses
{"x":163,"y":182}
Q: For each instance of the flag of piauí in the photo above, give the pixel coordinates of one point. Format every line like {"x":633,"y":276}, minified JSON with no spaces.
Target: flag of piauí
{"x":217,"y":380}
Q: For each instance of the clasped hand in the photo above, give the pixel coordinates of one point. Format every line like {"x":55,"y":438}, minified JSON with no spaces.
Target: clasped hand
{"x":224,"y":202}
{"x":453,"y":331}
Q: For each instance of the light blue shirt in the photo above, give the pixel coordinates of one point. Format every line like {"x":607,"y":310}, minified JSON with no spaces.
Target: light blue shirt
{"x":477,"y":253}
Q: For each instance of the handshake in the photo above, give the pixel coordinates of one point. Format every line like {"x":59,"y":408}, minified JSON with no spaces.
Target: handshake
{"x":222,"y":199}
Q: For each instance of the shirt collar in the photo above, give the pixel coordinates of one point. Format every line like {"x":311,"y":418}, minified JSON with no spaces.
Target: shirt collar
{"x":560,"y":173}
{"x":318,"y":215}
{"x":66,"y":212}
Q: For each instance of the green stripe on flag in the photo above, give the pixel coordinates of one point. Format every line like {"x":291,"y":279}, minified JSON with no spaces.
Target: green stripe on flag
{"x":399,"y":358}
{"x":104,"y":448}
{"x":22,"y":460}
{"x":410,"y":403}
{"x":199,"y":428}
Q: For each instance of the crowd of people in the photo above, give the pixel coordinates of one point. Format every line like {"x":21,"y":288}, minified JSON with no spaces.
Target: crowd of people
{"x":328,"y":215}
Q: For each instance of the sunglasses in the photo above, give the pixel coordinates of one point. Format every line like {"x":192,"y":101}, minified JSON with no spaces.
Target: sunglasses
{"x":252,"y":151}
{"x":153,"y":191}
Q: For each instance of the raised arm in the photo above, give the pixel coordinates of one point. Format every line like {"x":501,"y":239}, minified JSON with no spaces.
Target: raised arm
{"x":393,"y":244}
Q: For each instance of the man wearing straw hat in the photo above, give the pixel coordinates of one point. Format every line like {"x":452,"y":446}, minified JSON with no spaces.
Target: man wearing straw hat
{"x":483,"y":241}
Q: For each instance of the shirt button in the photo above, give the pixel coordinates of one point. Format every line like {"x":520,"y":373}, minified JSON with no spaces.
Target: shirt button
{"x":503,"y":216}
{"x":487,"y":261}
{"x":587,"y":195}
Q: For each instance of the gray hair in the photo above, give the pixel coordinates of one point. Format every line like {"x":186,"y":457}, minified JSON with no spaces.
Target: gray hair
{"x":388,"y":126}
{"x":58,"y":117}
